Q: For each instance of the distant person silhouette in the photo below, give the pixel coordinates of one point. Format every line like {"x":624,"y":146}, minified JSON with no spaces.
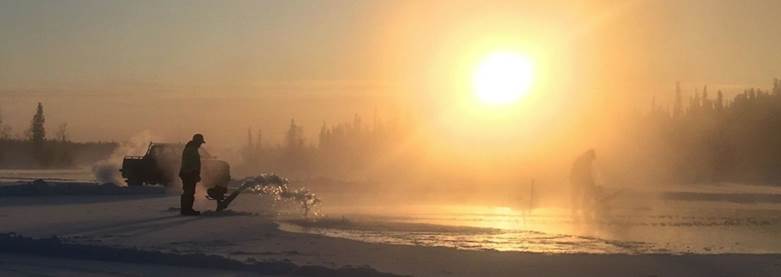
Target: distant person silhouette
{"x":582,"y":180}
{"x":190,"y":173}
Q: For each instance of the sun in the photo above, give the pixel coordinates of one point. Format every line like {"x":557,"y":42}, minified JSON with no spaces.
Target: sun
{"x":502,"y":78}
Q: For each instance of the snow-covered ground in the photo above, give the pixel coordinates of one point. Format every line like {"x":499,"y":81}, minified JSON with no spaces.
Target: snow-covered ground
{"x":663,"y":238}
{"x":33,"y":265}
{"x":8,"y":176}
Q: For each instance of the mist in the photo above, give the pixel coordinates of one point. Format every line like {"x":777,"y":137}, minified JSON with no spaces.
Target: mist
{"x":421,"y":138}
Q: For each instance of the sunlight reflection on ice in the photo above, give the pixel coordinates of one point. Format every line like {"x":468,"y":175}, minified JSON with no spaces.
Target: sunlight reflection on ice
{"x":553,"y":231}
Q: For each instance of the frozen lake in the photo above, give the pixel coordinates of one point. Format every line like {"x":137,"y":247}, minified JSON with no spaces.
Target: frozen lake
{"x":630,"y":226}
{"x":705,"y":219}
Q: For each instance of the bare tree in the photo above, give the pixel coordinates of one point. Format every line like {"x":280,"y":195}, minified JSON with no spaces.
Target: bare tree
{"x":5,"y":130}
{"x":62,"y":132}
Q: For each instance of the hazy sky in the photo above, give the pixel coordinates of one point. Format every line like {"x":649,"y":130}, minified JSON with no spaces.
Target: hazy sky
{"x":175,"y":66}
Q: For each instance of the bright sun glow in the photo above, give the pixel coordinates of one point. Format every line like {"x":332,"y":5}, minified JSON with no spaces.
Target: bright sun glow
{"x":502,"y":78}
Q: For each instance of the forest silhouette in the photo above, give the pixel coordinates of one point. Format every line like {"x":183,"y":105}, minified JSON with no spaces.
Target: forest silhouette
{"x":698,"y":138}
{"x":711,"y":139}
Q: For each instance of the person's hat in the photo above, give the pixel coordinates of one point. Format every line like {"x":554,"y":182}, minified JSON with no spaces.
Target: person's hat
{"x":198,"y":138}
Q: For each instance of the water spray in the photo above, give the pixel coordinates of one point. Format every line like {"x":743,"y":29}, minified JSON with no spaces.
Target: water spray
{"x":266,"y":184}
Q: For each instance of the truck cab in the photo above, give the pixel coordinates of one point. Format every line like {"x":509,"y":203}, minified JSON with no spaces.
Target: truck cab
{"x":160,"y":165}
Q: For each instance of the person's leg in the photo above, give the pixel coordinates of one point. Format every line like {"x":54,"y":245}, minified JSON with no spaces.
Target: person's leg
{"x":576,"y":197}
{"x":188,"y":196}
{"x":590,"y":200}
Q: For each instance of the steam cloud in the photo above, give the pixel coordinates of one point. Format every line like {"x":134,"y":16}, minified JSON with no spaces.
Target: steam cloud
{"x":107,"y":171}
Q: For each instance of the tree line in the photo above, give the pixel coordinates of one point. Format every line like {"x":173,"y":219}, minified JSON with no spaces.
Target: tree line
{"x":702,"y":138}
{"x":34,"y":149}
{"x":712,"y":139}
{"x":345,"y":150}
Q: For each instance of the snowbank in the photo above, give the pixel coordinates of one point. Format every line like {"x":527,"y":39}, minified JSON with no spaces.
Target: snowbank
{"x":41,"y":187}
{"x":54,"y":247}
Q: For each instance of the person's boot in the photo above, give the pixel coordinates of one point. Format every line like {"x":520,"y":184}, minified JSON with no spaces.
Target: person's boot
{"x":186,"y":207}
{"x":191,"y":212}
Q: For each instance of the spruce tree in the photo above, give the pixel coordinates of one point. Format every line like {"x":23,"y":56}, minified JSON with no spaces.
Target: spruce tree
{"x":37,"y":131}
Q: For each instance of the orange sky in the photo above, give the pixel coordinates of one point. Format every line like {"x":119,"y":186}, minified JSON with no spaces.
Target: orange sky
{"x":113,"y":69}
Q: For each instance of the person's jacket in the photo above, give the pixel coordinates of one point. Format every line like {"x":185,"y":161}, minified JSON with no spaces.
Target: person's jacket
{"x":191,"y":161}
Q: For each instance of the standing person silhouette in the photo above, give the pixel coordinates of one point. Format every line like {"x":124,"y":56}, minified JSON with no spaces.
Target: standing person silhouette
{"x":582,"y":180}
{"x":190,"y":173}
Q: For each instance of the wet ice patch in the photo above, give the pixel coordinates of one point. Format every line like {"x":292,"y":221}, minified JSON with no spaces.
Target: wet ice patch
{"x":465,"y":238}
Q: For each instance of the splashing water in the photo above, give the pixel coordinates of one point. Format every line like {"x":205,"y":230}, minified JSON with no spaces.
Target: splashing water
{"x":267,"y":184}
